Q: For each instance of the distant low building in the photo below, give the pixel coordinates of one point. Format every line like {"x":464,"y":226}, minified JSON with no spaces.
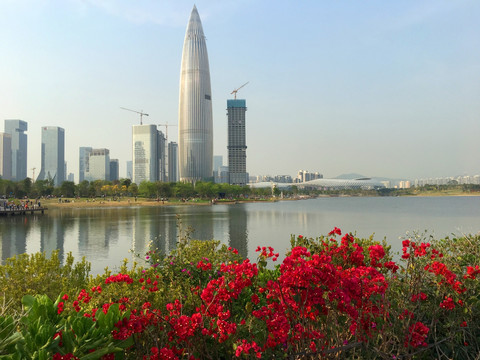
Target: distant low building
{"x":326,"y":184}
{"x":305,"y":175}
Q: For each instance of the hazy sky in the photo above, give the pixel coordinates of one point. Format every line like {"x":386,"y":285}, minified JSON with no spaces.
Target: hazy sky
{"x":380,"y":88}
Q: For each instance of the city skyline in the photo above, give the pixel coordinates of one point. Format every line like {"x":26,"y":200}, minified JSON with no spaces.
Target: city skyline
{"x":380,"y":89}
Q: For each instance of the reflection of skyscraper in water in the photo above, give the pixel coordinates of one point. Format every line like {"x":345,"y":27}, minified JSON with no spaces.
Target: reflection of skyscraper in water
{"x":95,"y":229}
{"x":145,"y":230}
{"x":172,"y":232}
{"x":51,"y":237}
{"x":237,"y":228}
{"x":199,"y":222}
{"x":160,"y":231}
{"x":13,"y":236}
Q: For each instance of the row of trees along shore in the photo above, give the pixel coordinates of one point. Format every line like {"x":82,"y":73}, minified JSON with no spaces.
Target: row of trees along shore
{"x":205,"y":190}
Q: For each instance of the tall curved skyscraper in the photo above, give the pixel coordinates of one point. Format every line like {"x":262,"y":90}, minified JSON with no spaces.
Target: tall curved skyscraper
{"x":195,"y":124}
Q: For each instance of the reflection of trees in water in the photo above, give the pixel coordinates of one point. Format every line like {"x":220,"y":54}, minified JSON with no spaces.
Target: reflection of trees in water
{"x":237,"y":228}
{"x":199,"y":222}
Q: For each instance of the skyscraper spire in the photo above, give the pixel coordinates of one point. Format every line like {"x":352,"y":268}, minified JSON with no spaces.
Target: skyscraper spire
{"x":195,"y":124}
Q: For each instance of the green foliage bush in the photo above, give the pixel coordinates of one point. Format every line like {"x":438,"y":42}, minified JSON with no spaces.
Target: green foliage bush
{"x":37,"y":274}
{"x":445,"y":301}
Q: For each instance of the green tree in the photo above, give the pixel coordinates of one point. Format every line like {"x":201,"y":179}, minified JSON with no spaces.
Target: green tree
{"x":133,"y":189}
{"x":97,"y":185}
{"x":184,"y":190}
{"x":44,"y":187}
{"x":125,"y":182}
{"x":68,"y":189}
{"x":205,"y":190}
{"x":147,"y":189}
{"x":26,"y":185}
{"x":82,"y":188}
{"x":164,"y":189}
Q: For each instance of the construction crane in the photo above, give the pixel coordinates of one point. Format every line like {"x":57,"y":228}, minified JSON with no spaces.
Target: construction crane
{"x":236,"y":90}
{"x":138,"y":112}
{"x":166,"y":130}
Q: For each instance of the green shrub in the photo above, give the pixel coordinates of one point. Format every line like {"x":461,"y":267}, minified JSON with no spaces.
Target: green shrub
{"x":37,"y":274}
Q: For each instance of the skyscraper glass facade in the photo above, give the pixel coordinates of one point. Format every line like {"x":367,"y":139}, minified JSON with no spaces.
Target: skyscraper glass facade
{"x":237,"y":147}
{"x":5,"y":156}
{"x":145,"y":148}
{"x":16,"y":129}
{"x":83,"y":162}
{"x":53,"y":155}
{"x":195,"y":128}
{"x":173,"y":162}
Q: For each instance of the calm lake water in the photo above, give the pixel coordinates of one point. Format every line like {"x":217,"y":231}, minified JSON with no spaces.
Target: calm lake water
{"x":106,"y":236}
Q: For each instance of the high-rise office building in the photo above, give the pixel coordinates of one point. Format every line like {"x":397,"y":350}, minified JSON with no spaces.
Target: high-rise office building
{"x":162,"y":157}
{"x":145,"y":153}
{"x":5,"y":156}
{"x":217,"y":163}
{"x":16,"y":129}
{"x":98,"y":165}
{"x":53,"y":155}
{"x":173,"y":162}
{"x":83,"y":165}
{"x":237,"y":147}
{"x":195,"y":125}
{"x":114,"y":169}
{"x":129,"y":170}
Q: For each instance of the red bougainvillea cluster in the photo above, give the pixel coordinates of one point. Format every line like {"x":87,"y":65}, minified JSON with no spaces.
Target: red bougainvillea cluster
{"x":292,"y":307}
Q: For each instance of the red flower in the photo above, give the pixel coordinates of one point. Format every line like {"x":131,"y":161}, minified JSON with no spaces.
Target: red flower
{"x":448,"y":303}
{"x":417,"y":333}
{"x":336,"y":231}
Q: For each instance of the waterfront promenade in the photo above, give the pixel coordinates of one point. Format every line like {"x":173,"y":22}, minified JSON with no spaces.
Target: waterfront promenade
{"x":21,"y":211}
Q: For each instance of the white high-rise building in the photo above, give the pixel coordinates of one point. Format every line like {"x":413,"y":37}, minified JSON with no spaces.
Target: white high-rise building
{"x":145,"y":153}
{"x":98,"y":165}
{"x":195,"y":125}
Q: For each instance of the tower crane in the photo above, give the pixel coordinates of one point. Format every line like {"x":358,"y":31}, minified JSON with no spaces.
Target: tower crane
{"x":166,"y":130}
{"x":138,"y":112}
{"x":236,"y":90}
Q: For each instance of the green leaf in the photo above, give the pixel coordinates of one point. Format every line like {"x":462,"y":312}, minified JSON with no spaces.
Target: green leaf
{"x":28,"y":301}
